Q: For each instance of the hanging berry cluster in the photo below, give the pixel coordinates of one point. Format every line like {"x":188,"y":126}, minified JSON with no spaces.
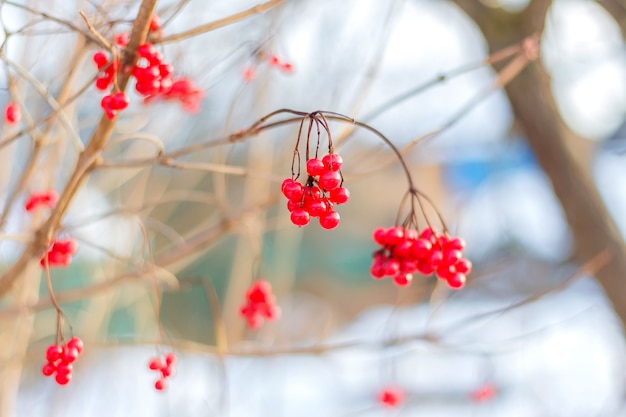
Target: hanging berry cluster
{"x":323,"y":187}
{"x":404,"y":252}
{"x":260,"y":305}
{"x":60,"y":359}
{"x":317,"y":197}
{"x":59,"y":253}
{"x":165,"y":367}
{"x":154,"y":78}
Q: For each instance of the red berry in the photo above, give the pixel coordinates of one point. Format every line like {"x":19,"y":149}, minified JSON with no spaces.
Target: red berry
{"x":329,"y":220}
{"x":122,"y":39}
{"x":316,"y":208}
{"x":155,"y":23}
{"x":377,"y":270}
{"x":53,"y":353}
{"x":402,"y":249}
{"x":315,"y":167}
{"x":103,"y":83}
{"x":12,"y":113}
{"x":70,"y":354}
{"x":457,"y":281}
{"x":300,"y":217}
{"x":391,"y":397}
{"x":100,"y":58}
{"x":463,"y":266}
{"x":392,"y":267}
{"x":155,"y":364}
{"x":76,"y":342}
{"x":394,"y":235}
{"x":161,"y":384}
{"x":167,"y":371}
{"x":421,"y":248}
{"x":456,"y":243}
{"x":170,"y":358}
{"x":64,"y":368}
{"x":436,"y":258}
{"x":274,"y":61}
{"x":146,"y":50}
{"x":402,"y":280}
{"x":484,"y":393}
{"x":63,"y":379}
{"x":333,"y":161}
{"x":292,"y":205}
{"x":293,"y":190}
{"x":48,"y":369}
{"x":339,"y":195}
{"x":408,"y":267}
{"x":119,"y":101}
{"x":380,"y":236}
{"x":287,"y":67}
{"x":451,"y":257}
{"x":249,"y":74}
{"x":330,"y":180}
{"x":445,"y":271}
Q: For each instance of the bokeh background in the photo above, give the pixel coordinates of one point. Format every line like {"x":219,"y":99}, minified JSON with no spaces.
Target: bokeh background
{"x":538,"y":339}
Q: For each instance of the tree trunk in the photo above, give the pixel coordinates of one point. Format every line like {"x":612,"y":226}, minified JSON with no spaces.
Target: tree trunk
{"x":536,"y":114}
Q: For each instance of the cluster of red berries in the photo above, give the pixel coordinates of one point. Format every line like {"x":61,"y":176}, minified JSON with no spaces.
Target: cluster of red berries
{"x":59,"y":253}
{"x":317,"y":197}
{"x":166,"y":367}
{"x":46,"y":198}
{"x":391,"y":397}
{"x":405,"y":251}
{"x":260,"y":305}
{"x":60,"y":359}
{"x":112,"y":103}
{"x":12,"y":114}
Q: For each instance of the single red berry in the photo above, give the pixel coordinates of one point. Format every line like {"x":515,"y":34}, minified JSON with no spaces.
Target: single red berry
{"x":103,"y":83}
{"x":155,"y":364}
{"x":329,"y":220}
{"x":391,"y":397}
{"x":463,"y":266}
{"x":170,"y":358}
{"x":333,"y":161}
{"x":63,"y":379}
{"x":316,"y":208}
{"x":456,"y":281}
{"x":300,"y":217}
{"x":394,"y":235}
{"x":484,"y":393}
{"x":403,"y":280}
{"x":155,"y":23}
{"x":100,"y":58}
{"x":377,"y":270}
{"x":402,"y":249}
{"x":380,"y":236}
{"x":12,"y":113}
{"x":275,"y":61}
{"x":76,"y":342}
{"x":315,"y":167}
{"x":167,"y":371}
{"x":421,"y":248}
{"x":161,"y":384}
{"x":392,"y":267}
{"x":65,"y":368}
{"x":456,"y":243}
{"x":408,"y":266}
{"x":119,"y":101}
{"x":53,"y":353}
{"x":293,"y":190}
{"x":146,"y":50}
{"x":436,"y":258}
{"x":70,"y":354}
{"x":48,"y":369}
{"x":425,"y":268}
{"x":445,"y":271}
{"x":330,"y":180}
{"x":122,"y":39}
{"x":287,"y":67}
{"x":312,"y":192}
{"x":339,"y":195}
{"x":451,"y":256}
{"x":249,"y":74}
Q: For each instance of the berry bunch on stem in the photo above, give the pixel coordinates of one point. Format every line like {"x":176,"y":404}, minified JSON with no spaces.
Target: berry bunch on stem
{"x":166,"y":367}
{"x":59,"y":254}
{"x":317,"y":196}
{"x":260,"y":305}
{"x":60,"y":358}
{"x":404,"y":252}
{"x":37,"y":200}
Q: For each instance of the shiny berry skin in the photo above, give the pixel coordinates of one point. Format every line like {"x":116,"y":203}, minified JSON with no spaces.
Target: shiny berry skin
{"x":394,"y":235}
{"x":463,"y":266}
{"x":63,"y":378}
{"x":70,"y":354}
{"x":456,"y":281}
{"x":54,"y":353}
{"x":155,"y":23}
{"x":333,"y":161}
{"x":339,"y":195}
{"x":329,"y":220}
{"x":300,"y":217}
{"x":293,"y":190}
{"x":170,"y":359}
{"x":330,"y":180}
{"x":167,"y":371}
{"x":76,"y":342}
{"x":421,"y":248}
{"x":380,"y":236}
{"x":315,"y":167}
{"x":122,"y":39}
{"x":403,"y":280}
{"x":316,"y":208}
{"x":119,"y":101}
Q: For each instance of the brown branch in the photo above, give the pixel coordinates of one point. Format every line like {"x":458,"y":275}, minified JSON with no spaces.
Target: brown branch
{"x":87,"y":159}
{"x":258,"y":9}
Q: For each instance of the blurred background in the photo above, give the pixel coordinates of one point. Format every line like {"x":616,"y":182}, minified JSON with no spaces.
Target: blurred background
{"x":167,"y":254}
